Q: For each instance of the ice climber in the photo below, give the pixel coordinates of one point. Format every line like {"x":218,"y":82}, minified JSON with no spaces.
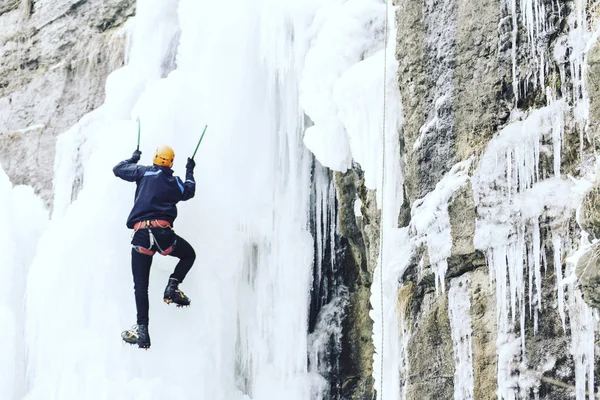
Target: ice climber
{"x":154,"y":211}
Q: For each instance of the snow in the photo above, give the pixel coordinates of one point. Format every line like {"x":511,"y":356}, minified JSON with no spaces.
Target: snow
{"x":357,"y":207}
{"x":583,"y":332}
{"x":431,"y":222}
{"x":30,"y":128}
{"x":391,"y":338}
{"x":390,"y":332}
{"x":329,"y":143}
{"x":432,"y":125}
{"x":342,"y":87}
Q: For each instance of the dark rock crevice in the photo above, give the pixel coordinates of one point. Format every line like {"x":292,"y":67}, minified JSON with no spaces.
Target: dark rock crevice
{"x":351,"y":369}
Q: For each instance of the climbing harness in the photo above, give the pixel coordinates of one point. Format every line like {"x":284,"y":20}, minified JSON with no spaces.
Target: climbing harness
{"x":382,"y":227}
{"x":157,"y":223}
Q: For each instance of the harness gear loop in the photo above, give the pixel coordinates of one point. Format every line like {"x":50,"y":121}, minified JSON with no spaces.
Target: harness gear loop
{"x":153,"y":242}
{"x":152,"y":239}
{"x":143,"y":250}
{"x":165,"y":252}
{"x":150,"y":252}
{"x":161,"y":226}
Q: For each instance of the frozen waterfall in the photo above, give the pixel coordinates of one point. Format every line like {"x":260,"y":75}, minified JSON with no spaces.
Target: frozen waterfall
{"x":238,"y":69}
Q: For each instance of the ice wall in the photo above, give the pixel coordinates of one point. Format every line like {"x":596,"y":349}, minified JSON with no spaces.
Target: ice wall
{"x":245,"y":336}
{"x":342,"y":88}
{"x":25,"y":218}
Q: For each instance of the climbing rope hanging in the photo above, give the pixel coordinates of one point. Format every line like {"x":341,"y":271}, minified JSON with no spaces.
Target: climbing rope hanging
{"x":381,"y":221}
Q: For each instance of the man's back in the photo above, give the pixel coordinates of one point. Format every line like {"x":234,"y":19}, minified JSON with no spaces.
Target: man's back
{"x":157,"y":193}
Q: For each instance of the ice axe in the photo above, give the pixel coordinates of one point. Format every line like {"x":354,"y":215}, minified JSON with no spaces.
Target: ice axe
{"x":138,"y":124}
{"x":199,"y":141}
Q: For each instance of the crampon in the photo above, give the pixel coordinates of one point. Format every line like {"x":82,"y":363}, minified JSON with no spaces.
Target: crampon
{"x":138,"y":334}
{"x":174,"y":295}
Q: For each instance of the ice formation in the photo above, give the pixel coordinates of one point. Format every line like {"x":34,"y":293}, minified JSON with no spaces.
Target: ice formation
{"x":246,"y":336}
{"x":459,"y":308}
{"x":24,"y":220}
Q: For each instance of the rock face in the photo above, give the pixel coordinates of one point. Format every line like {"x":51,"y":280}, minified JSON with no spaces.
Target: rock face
{"x":360,"y":241}
{"x":427,"y":55}
{"x":55,"y":57}
{"x":469,"y":72}
{"x":429,"y":375}
{"x":593,"y":80}
{"x":588,"y":267}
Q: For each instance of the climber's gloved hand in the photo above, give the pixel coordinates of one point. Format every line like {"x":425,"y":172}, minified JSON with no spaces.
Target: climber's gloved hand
{"x":191,"y":164}
{"x":135,"y":157}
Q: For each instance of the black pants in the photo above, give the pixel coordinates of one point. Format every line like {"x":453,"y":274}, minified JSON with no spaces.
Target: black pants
{"x":140,"y":263}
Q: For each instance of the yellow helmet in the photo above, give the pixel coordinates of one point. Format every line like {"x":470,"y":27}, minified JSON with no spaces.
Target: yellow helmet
{"x":164,"y":156}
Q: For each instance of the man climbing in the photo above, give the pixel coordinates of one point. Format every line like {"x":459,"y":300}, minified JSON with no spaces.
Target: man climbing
{"x":154,"y":211}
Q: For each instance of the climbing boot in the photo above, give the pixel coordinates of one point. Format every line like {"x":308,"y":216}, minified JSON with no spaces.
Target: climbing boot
{"x":138,"y":334}
{"x":174,"y":295}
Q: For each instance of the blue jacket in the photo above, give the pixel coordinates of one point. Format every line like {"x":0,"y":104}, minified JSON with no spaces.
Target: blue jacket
{"x":158,"y":191}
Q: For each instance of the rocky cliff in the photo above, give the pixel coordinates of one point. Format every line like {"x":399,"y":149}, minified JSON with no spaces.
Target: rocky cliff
{"x":54,"y":60}
{"x":496,"y":292}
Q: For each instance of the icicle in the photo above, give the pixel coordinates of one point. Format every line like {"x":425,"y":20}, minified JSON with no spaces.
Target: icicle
{"x":583,"y":328}
{"x":507,"y":345}
{"x":509,"y":172}
{"x":530,"y":273}
{"x":510,"y":200}
{"x":537,"y":262}
{"x":557,"y":245}
{"x":459,"y":310}
{"x":542,"y":68}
